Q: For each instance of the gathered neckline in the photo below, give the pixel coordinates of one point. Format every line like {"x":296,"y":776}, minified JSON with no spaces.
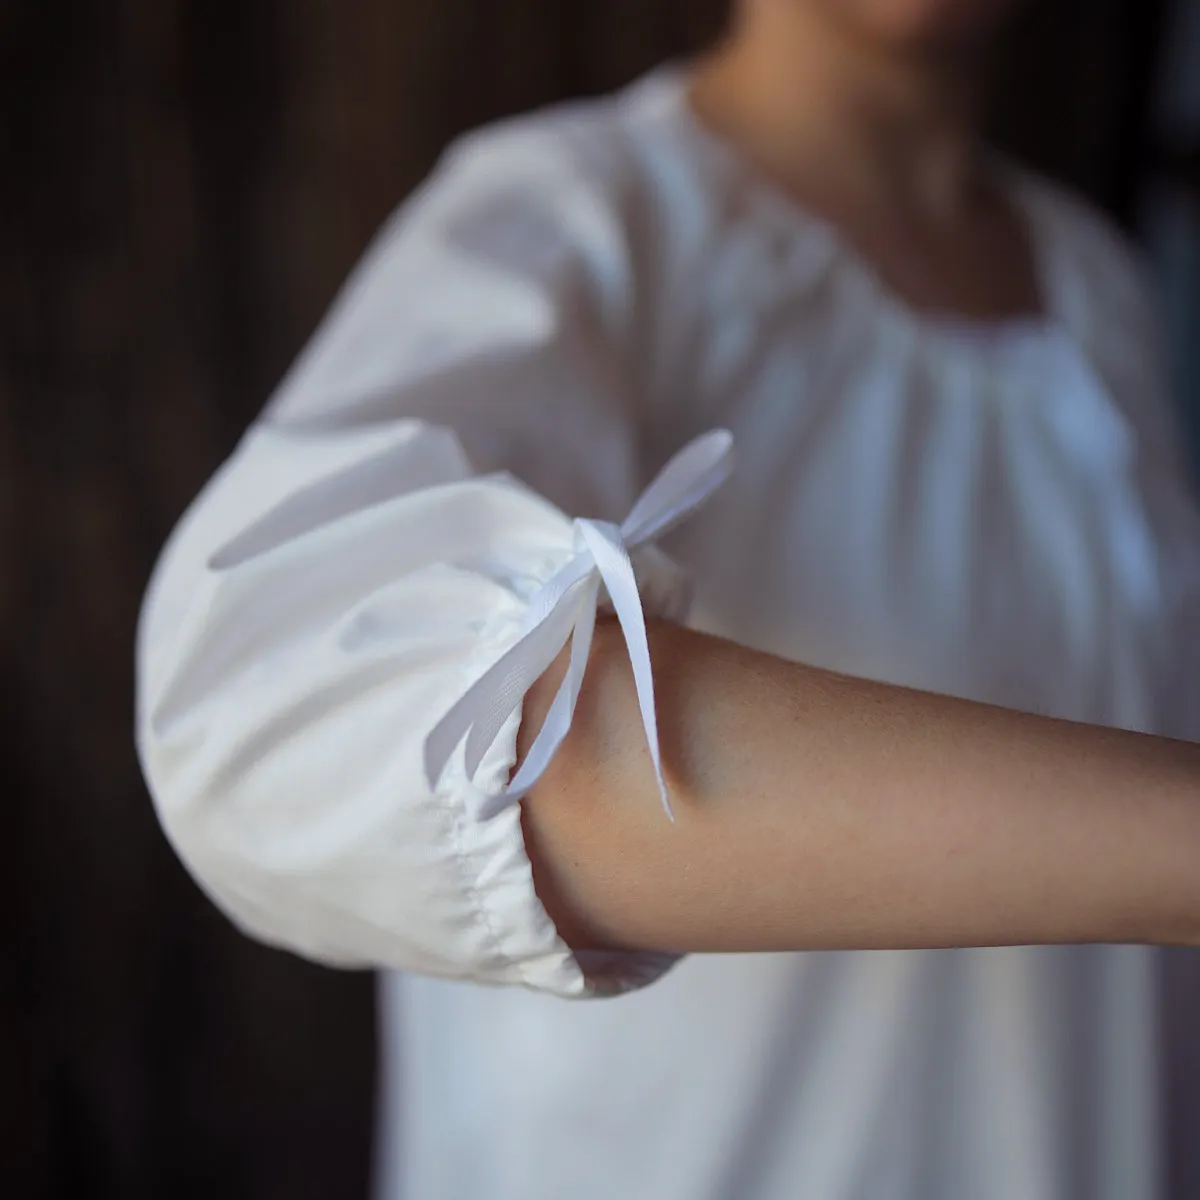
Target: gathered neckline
{"x":666,"y":89}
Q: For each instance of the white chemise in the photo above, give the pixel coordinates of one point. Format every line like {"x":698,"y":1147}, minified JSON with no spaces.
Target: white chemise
{"x":993,"y":511}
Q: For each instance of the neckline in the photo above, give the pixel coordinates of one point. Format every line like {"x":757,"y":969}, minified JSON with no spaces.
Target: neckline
{"x":666,"y":89}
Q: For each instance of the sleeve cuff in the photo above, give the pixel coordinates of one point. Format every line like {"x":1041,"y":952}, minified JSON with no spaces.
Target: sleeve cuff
{"x":524,"y":946}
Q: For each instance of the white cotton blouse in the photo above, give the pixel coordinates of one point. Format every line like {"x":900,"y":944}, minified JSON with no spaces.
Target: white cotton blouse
{"x":993,"y":511}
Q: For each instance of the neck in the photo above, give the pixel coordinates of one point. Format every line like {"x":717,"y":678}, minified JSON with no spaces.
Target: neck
{"x":824,"y":107}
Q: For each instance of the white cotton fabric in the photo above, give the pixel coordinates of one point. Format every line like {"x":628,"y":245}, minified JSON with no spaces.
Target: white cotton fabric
{"x":990,"y":511}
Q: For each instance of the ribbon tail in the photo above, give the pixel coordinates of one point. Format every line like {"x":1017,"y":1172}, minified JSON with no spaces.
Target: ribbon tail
{"x":561,"y":715}
{"x":528,"y":661}
{"x":681,"y":487}
{"x":616,"y":569}
{"x":482,"y":710}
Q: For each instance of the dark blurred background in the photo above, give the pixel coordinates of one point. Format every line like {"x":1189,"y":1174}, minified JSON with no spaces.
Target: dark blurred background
{"x":183,"y":185}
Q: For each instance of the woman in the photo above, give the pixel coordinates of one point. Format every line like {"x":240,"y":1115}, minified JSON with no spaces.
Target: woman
{"x":955,"y":472}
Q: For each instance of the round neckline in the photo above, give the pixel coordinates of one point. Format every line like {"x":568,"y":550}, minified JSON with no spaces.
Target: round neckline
{"x":667,"y":88}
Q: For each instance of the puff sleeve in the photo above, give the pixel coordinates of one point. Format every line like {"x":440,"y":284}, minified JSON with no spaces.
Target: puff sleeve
{"x":395,"y":533}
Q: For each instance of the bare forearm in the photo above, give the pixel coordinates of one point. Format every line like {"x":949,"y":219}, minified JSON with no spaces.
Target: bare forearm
{"x":820,"y":812}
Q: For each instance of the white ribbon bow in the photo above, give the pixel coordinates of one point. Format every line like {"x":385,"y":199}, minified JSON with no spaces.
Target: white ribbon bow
{"x":565,"y":607}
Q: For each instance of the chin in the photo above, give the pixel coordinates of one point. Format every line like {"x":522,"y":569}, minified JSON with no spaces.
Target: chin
{"x":932,"y":23}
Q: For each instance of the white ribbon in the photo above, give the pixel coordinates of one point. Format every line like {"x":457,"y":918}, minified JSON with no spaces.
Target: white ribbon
{"x":565,"y":607}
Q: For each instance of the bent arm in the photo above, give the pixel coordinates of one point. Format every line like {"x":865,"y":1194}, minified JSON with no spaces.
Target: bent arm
{"x":367,"y":559}
{"x":816,"y":811}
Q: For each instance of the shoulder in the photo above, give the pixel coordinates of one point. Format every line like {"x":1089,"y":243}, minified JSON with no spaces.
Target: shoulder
{"x":1099,"y":272}
{"x":570,"y":166}
{"x":1100,"y":286}
{"x":555,"y":197}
